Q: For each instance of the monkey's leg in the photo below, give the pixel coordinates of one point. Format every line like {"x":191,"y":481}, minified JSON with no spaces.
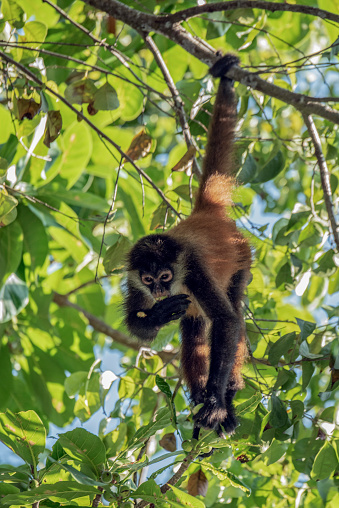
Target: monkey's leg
{"x":235,"y":294}
{"x":224,"y":338}
{"x":195,"y":356}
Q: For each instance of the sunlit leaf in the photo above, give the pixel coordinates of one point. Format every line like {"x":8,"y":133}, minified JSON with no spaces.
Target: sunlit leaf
{"x":24,"y":433}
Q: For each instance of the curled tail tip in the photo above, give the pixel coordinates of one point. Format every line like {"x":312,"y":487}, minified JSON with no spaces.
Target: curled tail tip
{"x":223,"y":65}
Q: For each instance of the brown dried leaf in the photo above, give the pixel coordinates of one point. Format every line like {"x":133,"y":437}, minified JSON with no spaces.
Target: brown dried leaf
{"x":186,"y":160}
{"x":91,"y":110}
{"x":140,"y":145}
{"x":168,"y":442}
{"x":27,"y":108}
{"x":197,"y":484}
{"x":53,"y":127}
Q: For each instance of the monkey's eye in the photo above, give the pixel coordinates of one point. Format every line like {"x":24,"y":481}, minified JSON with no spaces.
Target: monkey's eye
{"x":147,"y":279}
{"x":166,"y":277}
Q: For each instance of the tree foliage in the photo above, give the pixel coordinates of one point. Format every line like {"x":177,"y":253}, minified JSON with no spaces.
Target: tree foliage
{"x":104,"y":113}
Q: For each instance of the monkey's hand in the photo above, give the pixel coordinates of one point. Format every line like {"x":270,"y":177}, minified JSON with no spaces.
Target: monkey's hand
{"x":169,"y":309}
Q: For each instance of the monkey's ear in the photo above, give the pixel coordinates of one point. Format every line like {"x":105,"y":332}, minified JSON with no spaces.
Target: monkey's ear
{"x":223,"y":65}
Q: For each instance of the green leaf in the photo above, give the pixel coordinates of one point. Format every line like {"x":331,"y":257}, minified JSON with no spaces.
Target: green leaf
{"x":284,"y":275}
{"x":77,"y":149}
{"x":162,"y":420}
{"x":88,"y":401}
{"x":250,"y":404}
{"x":35,"y":238}
{"x":75,"y":382}
{"x":13,"y":13}
{"x":75,"y":198}
{"x":281,"y":348}
{"x":186,"y":499}
{"x":325,"y":463}
{"x":6,"y":377}
{"x":248,"y":170}
{"x":148,"y":491}
{"x":8,"y":149}
{"x":106,"y":98}
{"x":223,"y":475}
{"x":24,"y":433}
{"x":85,"y":447}
{"x":126,"y":387}
{"x":58,"y":492}
{"x":304,"y":351}
{"x":278,"y":416}
{"x":298,"y":409}
{"x":11,"y":238}
{"x":7,"y":204}
{"x":35,"y":34}
{"x":115,"y":257}
{"x":275,"y":451}
{"x":163,"y":386}
{"x":78,"y":475}
{"x":14,"y":298}
{"x":306,"y":328}
{"x":271,"y":169}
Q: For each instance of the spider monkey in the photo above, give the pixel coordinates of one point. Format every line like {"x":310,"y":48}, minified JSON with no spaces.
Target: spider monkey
{"x":198,"y":272}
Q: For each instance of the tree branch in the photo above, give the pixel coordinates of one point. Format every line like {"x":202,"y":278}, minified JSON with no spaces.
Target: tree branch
{"x":35,"y":79}
{"x":324,"y":176}
{"x":192,"y":12}
{"x":168,"y":27}
{"x":102,"y":327}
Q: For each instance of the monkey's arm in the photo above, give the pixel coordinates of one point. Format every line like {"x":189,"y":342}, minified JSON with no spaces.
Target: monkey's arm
{"x":146,"y":322}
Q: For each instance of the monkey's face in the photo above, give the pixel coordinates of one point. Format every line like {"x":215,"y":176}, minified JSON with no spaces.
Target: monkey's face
{"x":158,"y":283}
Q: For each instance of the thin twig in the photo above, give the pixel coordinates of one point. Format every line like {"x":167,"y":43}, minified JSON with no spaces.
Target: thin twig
{"x":178,"y":103}
{"x":324,"y":176}
{"x":85,"y":284}
{"x":108,"y":217}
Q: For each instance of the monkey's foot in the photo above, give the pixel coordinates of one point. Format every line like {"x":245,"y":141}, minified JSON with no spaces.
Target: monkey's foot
{"x":212,"y":414}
